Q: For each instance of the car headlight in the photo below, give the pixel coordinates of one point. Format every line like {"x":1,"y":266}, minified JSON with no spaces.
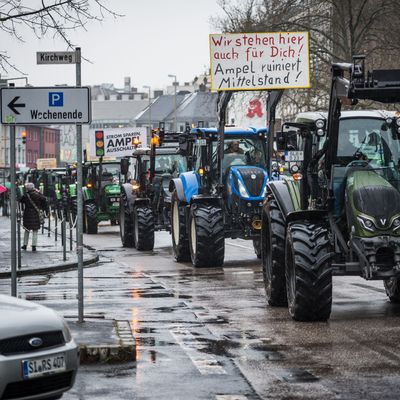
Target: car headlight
{"x":66,"y":333}
{"x":366,"y":223}
{"x":242,"y":189}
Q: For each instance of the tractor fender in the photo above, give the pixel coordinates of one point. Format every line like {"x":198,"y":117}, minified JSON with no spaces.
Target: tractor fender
{"x":177,"y":185}
{"x":206,"y":199}
{"x":187,"y":186}
{"x":141,"y":201}
{"x":127,"y":189}
{"x":282,"y":195}
{"x":307,"y":215}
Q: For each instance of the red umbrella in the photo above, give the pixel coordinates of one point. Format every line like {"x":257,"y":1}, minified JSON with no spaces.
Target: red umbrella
{"x":2,"y":189}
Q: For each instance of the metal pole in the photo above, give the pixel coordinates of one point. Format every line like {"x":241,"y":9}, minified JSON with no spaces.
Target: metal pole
{"x":55,"y":225}
{"x":19,"y":263}
{"x":175,"y":127}
{"x":13,"y":213}
{"x":64,"y":238}
{"x":79,"y":238}
{"x":48,"y":223}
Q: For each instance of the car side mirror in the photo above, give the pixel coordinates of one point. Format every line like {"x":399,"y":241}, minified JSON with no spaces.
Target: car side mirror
{"x":125,"y":166}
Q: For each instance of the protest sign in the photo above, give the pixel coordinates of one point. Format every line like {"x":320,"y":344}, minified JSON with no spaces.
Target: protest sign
{"x":116,"y":142}
{"x":257,"y":61}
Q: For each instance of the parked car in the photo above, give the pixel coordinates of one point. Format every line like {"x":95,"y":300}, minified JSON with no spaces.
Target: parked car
{"x":38,"y":357}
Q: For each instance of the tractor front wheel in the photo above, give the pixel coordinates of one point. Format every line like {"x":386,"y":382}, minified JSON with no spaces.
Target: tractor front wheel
{"x":392,"y":287}
{"x":206,"y":237}
{"x":143,"y":221}
{"x":125,"y":223}
{"x":273,"y":254}
{"x":91,"y":218}
{"x":180,"y":240}
{"x":308,"y":272}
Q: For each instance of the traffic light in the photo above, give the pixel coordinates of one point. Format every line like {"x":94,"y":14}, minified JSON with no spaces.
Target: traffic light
{"x":99,"y":135}
{"x":23,"y":136}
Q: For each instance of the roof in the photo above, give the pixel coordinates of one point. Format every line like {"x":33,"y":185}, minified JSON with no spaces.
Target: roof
{"x":161,"y":107}
{"x":116,"y":110}
{"x":313,"y":116}
{"x":233,"y":130}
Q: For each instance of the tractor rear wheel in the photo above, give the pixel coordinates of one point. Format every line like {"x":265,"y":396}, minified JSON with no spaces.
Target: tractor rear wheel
{"x":91,"y":218}
{"x":273,"y":254}
{"x":180,"y":240}
{"x":125,"y":222}
{"x":206,"y":236}
{"x":392,"y":287}
{"x":308,"y":272}
{"x":143,"y":221}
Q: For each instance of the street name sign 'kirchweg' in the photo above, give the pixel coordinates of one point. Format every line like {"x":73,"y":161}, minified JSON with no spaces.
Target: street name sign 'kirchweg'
{"x":45,"y":105}
{"x":259,"y":61}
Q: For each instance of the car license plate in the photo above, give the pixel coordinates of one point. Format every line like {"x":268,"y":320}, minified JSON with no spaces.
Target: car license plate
{"x":35,"y":367}
{"x":116,"y":204}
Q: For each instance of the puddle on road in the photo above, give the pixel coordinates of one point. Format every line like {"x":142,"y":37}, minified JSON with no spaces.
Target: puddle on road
{"x":217,"y":347}
{"x":297,"y":375}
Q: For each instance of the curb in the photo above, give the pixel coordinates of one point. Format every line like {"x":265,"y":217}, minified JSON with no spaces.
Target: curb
{"x":123,"y":352}
{"x":65,"y":266}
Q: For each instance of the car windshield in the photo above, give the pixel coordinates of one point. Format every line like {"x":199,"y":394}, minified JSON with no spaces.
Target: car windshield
{"x":170,"y":164}
{"x":244,"y":151}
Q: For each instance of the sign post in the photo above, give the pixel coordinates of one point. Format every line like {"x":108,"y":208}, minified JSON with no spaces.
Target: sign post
{"x":13,"y":207}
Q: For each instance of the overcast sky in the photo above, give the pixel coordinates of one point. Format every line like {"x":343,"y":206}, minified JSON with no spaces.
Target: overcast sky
{"x":155,"y":38}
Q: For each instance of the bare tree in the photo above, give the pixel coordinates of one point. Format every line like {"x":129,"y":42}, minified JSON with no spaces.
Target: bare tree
{"x":55,"y":18}
{"x":338,"y":30}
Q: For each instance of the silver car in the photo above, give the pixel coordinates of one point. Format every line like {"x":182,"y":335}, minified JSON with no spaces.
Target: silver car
{"x":38,"y":357}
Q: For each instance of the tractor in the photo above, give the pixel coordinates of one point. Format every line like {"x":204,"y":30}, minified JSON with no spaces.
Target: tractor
{"x":146,"y":200}
{"x":339,"y":214}
{"x":220,"y":196}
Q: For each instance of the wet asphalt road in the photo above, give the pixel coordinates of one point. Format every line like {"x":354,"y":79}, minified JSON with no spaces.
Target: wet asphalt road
{"x":208,"y":333}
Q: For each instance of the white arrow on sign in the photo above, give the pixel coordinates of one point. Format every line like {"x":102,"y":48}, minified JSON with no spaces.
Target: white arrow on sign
{"x":45,"y":106}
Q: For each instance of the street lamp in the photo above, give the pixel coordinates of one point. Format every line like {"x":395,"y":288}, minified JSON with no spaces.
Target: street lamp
{"x":174,"y":76}
{"x":149,"y":87}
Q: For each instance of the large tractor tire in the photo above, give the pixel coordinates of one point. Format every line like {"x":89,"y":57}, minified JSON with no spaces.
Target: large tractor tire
{"x":91,"y":218}
{"x":273,"y":254}
{"x":180,"y":239}
{"x":392,"y":287}
{"x":308,"y":272}
{"x":126,"y":222}
{"x":206,"y":236}
{"x":143,"y":221}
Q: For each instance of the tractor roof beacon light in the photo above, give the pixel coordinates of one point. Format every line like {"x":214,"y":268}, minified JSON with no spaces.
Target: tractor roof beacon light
{"x":99,"y":136}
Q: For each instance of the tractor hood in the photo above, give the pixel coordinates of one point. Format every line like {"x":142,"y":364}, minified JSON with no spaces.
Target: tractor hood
{"x":374,"y":204}
{"x":112,"y":189}
{"x":247,"y":182}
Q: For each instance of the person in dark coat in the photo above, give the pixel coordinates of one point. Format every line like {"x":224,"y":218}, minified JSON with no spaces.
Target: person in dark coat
{"x":33,"y":201}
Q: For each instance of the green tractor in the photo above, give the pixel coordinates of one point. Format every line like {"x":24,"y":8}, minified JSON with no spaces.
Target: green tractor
{"x":146,"y":200}
{"x":340,"y":212}
{"x":101,"y":192}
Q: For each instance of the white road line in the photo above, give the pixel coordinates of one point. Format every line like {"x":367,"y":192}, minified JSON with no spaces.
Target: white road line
{"x":230,"y":397}
{"x":205,"y":363}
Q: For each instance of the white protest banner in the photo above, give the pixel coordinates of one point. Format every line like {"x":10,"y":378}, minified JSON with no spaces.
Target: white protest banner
{"x":257,"y":61}
{"x":116,"y":142}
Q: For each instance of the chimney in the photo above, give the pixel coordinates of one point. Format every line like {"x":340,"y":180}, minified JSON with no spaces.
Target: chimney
{"x":127,"y":84}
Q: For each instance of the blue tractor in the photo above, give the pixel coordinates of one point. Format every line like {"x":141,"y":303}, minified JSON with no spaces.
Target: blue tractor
{"x":221,"y":194}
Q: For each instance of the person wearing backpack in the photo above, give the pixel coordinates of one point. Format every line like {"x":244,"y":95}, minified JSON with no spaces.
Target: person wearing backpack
{"x":35,"y":204}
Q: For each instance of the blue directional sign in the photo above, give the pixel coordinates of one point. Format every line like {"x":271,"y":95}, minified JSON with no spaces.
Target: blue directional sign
{"x":45,"y":106}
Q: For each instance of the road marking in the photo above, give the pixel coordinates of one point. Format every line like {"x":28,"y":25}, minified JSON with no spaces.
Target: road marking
{"x":230,"y":397}
{"x":205,"y":363}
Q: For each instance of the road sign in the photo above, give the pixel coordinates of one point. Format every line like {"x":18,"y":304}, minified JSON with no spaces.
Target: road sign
{"x":56,"y":57}
{"x":46,"y":163}
{"x":45,"y":106}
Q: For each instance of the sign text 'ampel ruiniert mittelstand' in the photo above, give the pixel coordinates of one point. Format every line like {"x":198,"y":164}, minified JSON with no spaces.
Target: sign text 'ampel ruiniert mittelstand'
{"x":259,"y":61}
{"x":48,"y":105}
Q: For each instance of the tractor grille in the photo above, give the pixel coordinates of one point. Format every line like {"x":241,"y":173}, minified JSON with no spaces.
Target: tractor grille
{"x":38,"y":386}
{"x":254,"y":186}
{"x":20,"y":344}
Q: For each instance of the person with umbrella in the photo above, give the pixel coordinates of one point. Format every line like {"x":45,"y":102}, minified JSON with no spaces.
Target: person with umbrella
{"x":34,"y":205}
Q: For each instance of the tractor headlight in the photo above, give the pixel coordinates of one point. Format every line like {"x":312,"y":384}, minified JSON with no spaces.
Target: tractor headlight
{"x":396,"y":223}
{"x":366,"y":223}
{"x":398,"y":121}
{"x":264,"y":192}
{"x":242,"y":189}
{"x":319,"y":123}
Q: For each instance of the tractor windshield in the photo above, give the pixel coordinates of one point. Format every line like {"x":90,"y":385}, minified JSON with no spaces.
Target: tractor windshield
{"x":110,"y":172}
{"x":369,"y":139}
{"x":244,"y":151}
{"x":172,"y":164}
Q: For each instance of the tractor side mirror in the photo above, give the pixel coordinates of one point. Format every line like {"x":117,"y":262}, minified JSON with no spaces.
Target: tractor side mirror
{"x":280,"y":141}
{"x":125,"y":166}
{"x":183,"y":144}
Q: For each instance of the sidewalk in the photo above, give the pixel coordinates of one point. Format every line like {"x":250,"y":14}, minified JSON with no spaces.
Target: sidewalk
{"x":48,"y":257}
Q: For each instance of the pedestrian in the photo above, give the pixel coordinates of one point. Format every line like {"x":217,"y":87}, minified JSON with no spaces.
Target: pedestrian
{"x":34,"y":206}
